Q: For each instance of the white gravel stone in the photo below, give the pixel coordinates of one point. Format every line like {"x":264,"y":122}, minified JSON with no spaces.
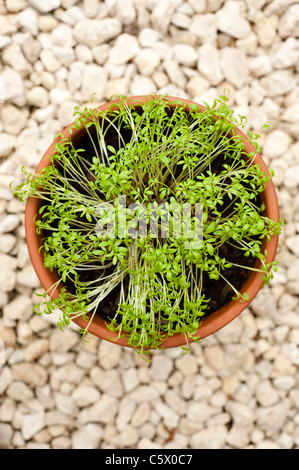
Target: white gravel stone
{"x":28,"y":277}
{"x":148,"y":36}
{"x":12,"y":55}
{"x":292,"y":176}
{"x":266,"y":394}
{"x":277,"y":7}
{"x":277,"y":83}
{"x":200,"y":411}
{"x":181,"y":20}
{"x":19,"y":391}
{"x":30,"y":373}
{"x":46,"y":6}
{"x":146,"y":61}
{"x":185,"y":54}
{"x":293,"y":244}
{"x":94,"y":81}
{"x":288,"y":23}
{"x":241,"y":414}
{"x":199,"y":6}
{"x":7,"y":410}
{"x":197,"y":85}
{"x":49,"y":60}
{"x":7,"y":242}
{"x":65,"y":113}
{"x":57,"y":418}
{"x":62,"y":35}
{"x":95,"y":32}
{"x":230,"y":334}
{"x":38,"y":96}
{"x":6,"y":25}
{"x":83,"y":53}
{"x":5,"y":379}
{"x":284,"y":382}
{"x":108,"y":381}
{"x":85,"y":395}
{"x":9,"y":222}
{"x":46,"y":23}
{"x":291,"y":113}
{"x":90,"y":8}
{"x":36,"y":349}
{"x":31,"y":424}
{"x":187,"y":365}
{"x":234,"y":66}
{"x":205,"y":27}
{"x":231,"y":21}
{"x":101,"y":53}
{"x":14,"y":6}
{"x":215,"y":357}
{"x":125,"y":11}
{"x":7,"y":144}
{"x":169,"y":416}
{"x":4,"y":41}
{"x":239,"y":436}
{"x":109,"y":355}
{"x":174,"y":73}
{"x":65,"y":403}
{"x":13,"y":86}
{"x":20,"y":308}
{"x":87,"y":437}
{"x":126,"y":410}
{"x":74,"y":78}
{"x":117,"y":86}
{"x":276,"y":143}
{"x":260,"y":65}
{"x":125,"y":48}
{"x":162,"y":13}
{"x":104,"y":411}
{"x":128,"y":438}
{"x":28,"y":19}
{"x":287,"y":54}
{"x":6,"y":433}
{"x":173,"y":399}
{"x":141,"y":415}
{"x":143,"y":393}
{"x":63,"y":342}
{"x":13,"y":119}
{"x":141,"y":85}
{"x":160,"y":368}
{"x":209,"y":63}
{"x":271,"y":418}
{"x":130,"y":379}
{"x":59,"y":95}
{"x":265,"y":28}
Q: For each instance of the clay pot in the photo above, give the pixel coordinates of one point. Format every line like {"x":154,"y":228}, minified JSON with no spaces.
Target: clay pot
{"x":216,"y":320}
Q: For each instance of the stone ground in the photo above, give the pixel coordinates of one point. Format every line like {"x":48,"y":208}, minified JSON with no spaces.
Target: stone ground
{"x":239,"y":388}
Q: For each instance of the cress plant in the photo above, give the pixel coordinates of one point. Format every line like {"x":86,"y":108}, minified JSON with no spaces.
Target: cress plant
{"x":159,"y":156}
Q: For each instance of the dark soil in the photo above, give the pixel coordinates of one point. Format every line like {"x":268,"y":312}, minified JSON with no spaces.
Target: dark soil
{"x":218,"y":291}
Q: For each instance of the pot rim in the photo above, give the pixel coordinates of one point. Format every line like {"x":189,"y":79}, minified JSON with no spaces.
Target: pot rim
{"x":213,"y":322}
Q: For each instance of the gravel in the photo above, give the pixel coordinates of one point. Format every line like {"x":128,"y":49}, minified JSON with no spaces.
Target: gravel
{"x":237,"y":389}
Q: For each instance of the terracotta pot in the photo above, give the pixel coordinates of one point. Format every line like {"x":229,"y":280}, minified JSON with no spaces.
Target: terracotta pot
{"x":216,"y":320}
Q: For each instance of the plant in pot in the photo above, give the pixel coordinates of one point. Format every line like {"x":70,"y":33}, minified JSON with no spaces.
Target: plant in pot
{"x":151,"y":221}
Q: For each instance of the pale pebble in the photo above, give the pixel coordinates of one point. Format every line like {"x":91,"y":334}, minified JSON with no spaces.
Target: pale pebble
{"x":87,"y":436}
{"x":231,"y":21}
